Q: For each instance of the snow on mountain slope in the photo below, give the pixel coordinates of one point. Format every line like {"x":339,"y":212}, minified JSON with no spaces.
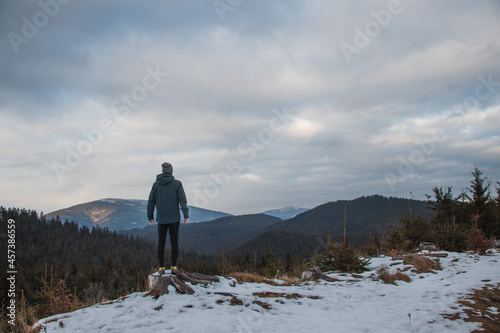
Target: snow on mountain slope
{"x":355,"y":304}
{"x":285,"y":213}
{"x":121,"y":214}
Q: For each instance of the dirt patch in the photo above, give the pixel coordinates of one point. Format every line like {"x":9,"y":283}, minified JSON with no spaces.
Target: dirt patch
{"x":270,"y":294}
{"x":482,"y":306}
{"x":264,"y":305}
{"x":224,"y":294}
{"x":233,"y":301}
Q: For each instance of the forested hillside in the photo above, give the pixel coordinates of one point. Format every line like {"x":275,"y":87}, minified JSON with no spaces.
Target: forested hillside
{"x":282,"y":243}
{"x":301,"y":235}
{"x":61,"y":267}
{"x":216,"y":236}
{"x":368,"y":214}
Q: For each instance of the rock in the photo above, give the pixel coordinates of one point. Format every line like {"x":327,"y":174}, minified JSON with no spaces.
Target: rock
{"x":314,"y":274}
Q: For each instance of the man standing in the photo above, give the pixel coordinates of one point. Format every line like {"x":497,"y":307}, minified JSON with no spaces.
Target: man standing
{"x":167,"y":194}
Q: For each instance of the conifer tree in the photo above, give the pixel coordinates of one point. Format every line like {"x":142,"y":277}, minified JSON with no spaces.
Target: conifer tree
{"x":480,"y":202}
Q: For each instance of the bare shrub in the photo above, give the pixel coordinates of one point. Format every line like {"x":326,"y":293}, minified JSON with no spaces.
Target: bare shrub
{"x":94,"y":293}
{"x":478,"y":242}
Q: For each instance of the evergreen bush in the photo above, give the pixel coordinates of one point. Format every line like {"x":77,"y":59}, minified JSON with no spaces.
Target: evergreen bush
{"x":341,"y":257}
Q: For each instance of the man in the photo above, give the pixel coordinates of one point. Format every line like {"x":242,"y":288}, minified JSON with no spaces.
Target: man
{"x":167,"y":194}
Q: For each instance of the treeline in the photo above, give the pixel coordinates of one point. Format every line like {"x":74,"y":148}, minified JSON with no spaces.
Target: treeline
{"x":62,"y":267}
{"x":59,"y":264}
{"x":366,"y":214}
{"x":469,"y":221}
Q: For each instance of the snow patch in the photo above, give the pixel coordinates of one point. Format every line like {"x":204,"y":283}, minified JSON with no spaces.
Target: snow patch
{"x":353,"y":304}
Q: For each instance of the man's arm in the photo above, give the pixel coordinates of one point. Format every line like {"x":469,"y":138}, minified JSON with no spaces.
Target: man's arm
{"x":151,"y":204}
{"x":181,"y":195}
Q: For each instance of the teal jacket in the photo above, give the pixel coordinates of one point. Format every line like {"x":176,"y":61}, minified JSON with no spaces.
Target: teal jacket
{"x":167,"y":194}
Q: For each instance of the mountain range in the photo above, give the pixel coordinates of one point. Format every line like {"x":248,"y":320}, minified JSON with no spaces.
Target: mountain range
{"x":302,"y":233}
{"x":121,"y":214}
{"x":125,"y":214}
{"x":308,"y":232}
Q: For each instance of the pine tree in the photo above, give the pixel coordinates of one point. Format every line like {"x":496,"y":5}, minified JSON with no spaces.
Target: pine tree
{"x":448,"y":228}
{"x":480,"y":201}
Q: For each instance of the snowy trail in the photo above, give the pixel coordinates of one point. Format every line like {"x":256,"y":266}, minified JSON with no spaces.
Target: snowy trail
{"x":351,"y":305}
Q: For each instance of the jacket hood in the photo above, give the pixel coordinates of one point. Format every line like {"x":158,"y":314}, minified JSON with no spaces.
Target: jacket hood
{"x":164,"y":178}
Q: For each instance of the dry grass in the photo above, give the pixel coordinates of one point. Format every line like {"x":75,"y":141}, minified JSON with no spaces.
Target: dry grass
{"x":478,"y":309}
{"x":422,"y":264}
{"x":387,"y":277}
{"x":290,"y":281}
{"x":394,"y":253}
{"x":242,"y":277}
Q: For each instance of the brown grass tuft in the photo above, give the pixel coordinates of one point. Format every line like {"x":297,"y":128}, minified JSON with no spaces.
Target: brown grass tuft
{"x":250,"y":277}
{"x":242,"y":277}
{"x":422,"y":264}
{"x":290,"y":281}
{"x":387,"y":277}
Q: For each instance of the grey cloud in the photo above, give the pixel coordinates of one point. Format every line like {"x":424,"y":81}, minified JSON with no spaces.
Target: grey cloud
{"x":353,"y":121}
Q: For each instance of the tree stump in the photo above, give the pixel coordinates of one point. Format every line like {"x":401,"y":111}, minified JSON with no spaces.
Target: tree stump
{"x":158,"y":285}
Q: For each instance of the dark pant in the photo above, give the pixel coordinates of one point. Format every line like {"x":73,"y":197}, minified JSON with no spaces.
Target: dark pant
{"x":173,"y":229}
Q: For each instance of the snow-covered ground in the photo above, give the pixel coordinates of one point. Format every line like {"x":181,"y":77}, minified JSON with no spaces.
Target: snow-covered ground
{"x":355,"y":304}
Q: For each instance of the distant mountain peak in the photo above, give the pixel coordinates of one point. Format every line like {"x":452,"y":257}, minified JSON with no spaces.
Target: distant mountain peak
{"x":289,"y":208}
{"x":121,"y":214}
{"x":285,"y":213}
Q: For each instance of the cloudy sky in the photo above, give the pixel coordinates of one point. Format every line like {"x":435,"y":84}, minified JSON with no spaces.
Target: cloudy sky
{"x":257,"y":104}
